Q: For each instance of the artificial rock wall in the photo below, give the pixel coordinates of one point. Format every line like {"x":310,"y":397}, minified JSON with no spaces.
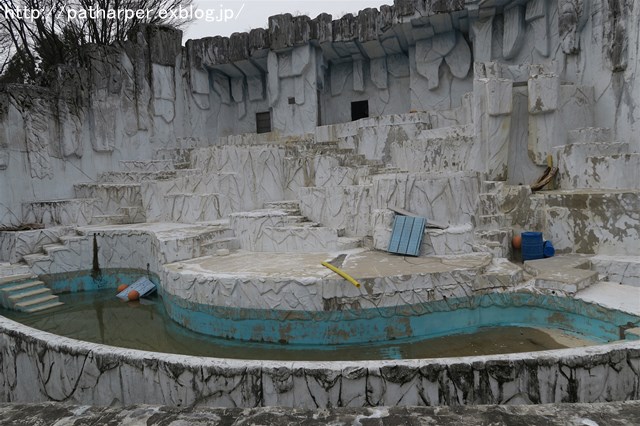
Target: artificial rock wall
{"x":542,"y":67}
{"x":59,"y":369}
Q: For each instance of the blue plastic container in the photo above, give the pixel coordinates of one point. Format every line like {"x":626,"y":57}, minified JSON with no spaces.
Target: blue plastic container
{"x":547,"y":249}
{"x":532,"y":246}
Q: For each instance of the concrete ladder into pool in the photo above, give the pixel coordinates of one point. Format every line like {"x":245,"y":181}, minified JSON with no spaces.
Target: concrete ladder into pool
{"x":24,"y":292}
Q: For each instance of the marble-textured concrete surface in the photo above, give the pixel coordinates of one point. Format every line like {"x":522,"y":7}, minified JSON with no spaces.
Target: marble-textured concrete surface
{"x":39,"y":367}
{"x":297,"y":281}
{"x":606,"y":414}
{"x":592,"y":221}
{"x":429,"y":109}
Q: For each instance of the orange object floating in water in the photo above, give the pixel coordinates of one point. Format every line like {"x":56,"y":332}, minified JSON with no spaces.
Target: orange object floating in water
{"x":516,"y":241}
{"x":122,"y":287}
{"x":133,"y":295}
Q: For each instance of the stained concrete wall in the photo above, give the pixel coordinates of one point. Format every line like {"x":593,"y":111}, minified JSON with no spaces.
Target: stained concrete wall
{"x":151,"y":93}
{"x":54,"y":368}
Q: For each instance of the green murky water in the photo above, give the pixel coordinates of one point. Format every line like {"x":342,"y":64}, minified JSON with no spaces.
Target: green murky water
{"x":100,"y":317}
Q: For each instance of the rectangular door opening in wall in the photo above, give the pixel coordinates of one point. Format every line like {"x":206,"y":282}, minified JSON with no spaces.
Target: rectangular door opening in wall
{"x":263,"y":122}
{"x":359,"y":109}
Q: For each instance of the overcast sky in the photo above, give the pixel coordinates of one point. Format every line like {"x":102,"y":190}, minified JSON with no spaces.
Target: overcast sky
{"x":228,"y":16}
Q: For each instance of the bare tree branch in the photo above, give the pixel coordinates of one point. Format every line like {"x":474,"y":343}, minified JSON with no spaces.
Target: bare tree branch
{"x":38,"y":34}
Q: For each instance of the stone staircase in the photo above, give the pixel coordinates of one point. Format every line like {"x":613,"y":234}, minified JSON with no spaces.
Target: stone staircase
{"x":26,"y":293}
{"x":280,"y":227}
{"x":415,"y":179}
{"x":594,"y":209}
{"x":115,"y":198}
{"x":19,"y":246}
{"x":498,"y":205}
{"x":132,"y":246}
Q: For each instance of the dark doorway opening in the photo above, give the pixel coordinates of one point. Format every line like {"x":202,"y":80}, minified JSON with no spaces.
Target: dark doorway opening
{"x":263,"y":122}
{"x":359,"y":109}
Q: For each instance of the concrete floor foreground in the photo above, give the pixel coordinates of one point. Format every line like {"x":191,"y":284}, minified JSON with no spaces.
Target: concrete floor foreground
{"x":616,"y":413}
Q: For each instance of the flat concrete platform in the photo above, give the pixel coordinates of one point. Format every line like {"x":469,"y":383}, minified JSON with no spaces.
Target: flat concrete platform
{"x":162,"y":230}
{"x":616,"y":413}
{"x":612,"y":295}
{"x":357,"y":263}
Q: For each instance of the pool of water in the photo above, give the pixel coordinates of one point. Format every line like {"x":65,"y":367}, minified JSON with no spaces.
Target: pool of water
{"x":480,"y":325}
{"x":98,"y":316}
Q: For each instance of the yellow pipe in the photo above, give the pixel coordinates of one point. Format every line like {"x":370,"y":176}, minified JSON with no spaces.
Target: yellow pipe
{"x":342,"y":273}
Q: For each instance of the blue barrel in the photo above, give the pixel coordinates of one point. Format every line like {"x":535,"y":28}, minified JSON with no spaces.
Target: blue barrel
{"x":532,"y":245}
{"x":547,"y":249}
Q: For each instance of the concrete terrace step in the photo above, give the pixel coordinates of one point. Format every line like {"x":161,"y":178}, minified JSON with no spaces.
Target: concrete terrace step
{"x":112,"y":198}
{"x":12,"y":279}
{"x":15,"y":245}
{"x":612,"y":295}
{"x":31,"y":259}
{"x":492,"y":186}
{"x":566,"y":280}
{"x":97,"y":186}
{"x":596,"y":165}
{"x":433,"y":150}
{"x":211,"y":247}
{"x":64,"y":212}
{"x":293,"y":205}
{"x":500,"y":274}
{"x":299,"y":239}
{"x":44,"y":306}
{"x":24,"y":292}
{"x":199,"y":240}
{"x":8,"y":269}
{"x":180,"y":155}
{"x":349,"y":243}
{"x":275,"y":230}
{"x":568,"y":274}
{"x":191,"y":207}
{"x":142,"y":176}
{"x":27,"y":285}
{"x":496,"y":241}
{"x":26,"y":295}
{"x":571,"y":217}
{"x":147,"y":165}
{"x":620,"y":171}
{"x":492,"y":221}
{"x":589,"y":149}
{"x":70,"y":239}
{"x":51,"y":248}
{"x":31,"y":303}
{"x":589,"y":134}
{"x":569,"y":261}
{"x":622,"y":269}
{"x":110,"y":219}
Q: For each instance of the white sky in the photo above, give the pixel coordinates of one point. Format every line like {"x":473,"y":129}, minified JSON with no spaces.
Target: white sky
{"x":229,"y":16}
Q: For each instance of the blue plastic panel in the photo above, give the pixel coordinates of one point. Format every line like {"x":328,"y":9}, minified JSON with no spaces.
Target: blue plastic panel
{"x":407,"y":235}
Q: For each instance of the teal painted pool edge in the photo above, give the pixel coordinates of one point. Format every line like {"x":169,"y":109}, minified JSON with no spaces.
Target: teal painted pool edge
{"x":417,"y":321}
{"x":74,"y":282}
{"x":428,"y":320}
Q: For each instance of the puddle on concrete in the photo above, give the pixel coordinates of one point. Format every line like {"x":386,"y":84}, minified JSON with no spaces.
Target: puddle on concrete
{"x":99,"y":317}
